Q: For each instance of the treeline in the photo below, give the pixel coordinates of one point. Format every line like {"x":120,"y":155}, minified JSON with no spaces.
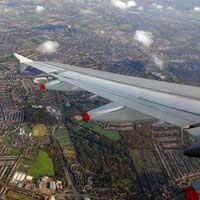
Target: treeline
{"x":39,"y":115}
{"x":108,"y":160}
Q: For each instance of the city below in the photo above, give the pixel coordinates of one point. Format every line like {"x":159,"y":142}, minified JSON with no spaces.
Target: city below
{"x":46,"y":150}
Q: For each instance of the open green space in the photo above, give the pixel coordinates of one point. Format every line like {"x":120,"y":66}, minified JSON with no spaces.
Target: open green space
{"x":9,"y":58}
{"x":38,"y":164}
{"x":33,"y":41}
{"x":5,"y":141}
{"x":16,"y":87}
{"x":28,"y":44}
{"x":113,"y":135}
{"x":146,"y":159}
{"x":14,"y":151}
{"x":42,"y":166}
{"x":63,"y":137}
{"x":123,"y":183}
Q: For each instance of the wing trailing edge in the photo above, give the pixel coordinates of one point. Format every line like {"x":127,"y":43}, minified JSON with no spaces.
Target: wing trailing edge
{"x":58,"y":85}
{"x":114,"y":112}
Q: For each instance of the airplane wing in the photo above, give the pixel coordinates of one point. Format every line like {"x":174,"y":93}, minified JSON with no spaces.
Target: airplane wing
{"x":174,"y":103}
{"x":113,"y":112}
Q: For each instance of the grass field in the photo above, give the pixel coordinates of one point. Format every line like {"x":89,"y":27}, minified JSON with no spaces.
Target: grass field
{"x":42,"y":166}
{"x":65,"y":142}
{"x":63,"y":137}
{"x":28,"y":44}
{"x":16,"y":87}
{"x":146,"y":159}
{"x":5,"y":141}
{"x":113,"y":135}
{"x":9,"y":58}
{"x":38,"y":164}
{"x":15,"y":151}
{"x":39,"y":130}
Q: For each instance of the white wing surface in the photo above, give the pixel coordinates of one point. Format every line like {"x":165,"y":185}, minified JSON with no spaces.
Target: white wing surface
{"x":174,"y":103}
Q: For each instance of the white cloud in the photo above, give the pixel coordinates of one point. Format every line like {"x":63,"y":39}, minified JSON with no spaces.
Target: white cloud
{"x":49,"y":47}
{"x":140,"y":8}
{"x":39,"y":9}
{"x":123,"y":5}
{"x":87,"y":11}
{"x":158,"y":61}
{"x":157,"y":6}
{"x":131,"y":4}
{"x":197,"y":9}
{"x":170,"y":8}
{"x":144,"y":37}
{"x":119,"y":4}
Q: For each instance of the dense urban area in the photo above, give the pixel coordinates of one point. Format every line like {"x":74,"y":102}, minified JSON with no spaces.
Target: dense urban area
{"x":46,"y":151}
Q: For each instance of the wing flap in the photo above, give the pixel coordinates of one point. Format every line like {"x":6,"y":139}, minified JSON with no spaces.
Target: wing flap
{"x":114,"y":112}
{"x":59,"y":86}
{"x":176,"y":117}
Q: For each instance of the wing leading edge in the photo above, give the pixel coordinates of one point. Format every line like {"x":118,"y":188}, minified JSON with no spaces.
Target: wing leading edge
{"x":170,"y":102}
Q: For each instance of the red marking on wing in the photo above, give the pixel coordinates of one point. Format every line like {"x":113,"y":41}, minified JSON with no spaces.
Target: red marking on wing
{"x":86,"y":116}
{"x":42,"y":87}
{"x":190,"y":194}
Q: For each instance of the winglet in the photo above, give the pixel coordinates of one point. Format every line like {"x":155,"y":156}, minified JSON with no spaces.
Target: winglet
{"x":23,"y":62}
{"x":22,"y":59}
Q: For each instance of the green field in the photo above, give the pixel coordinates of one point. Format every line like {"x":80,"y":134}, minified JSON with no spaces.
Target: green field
{"x":63,"y":137}
{"x":9,"y":58}
{"x":113,"y":135}
{"x":146,"y":158}
{"x":15,"y":151}
{"x":6,"y":141}
{"x":38,"y":164}
{"x":16,"y":87}
{"x":42,"y":166}
{"x":27,"y":44}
